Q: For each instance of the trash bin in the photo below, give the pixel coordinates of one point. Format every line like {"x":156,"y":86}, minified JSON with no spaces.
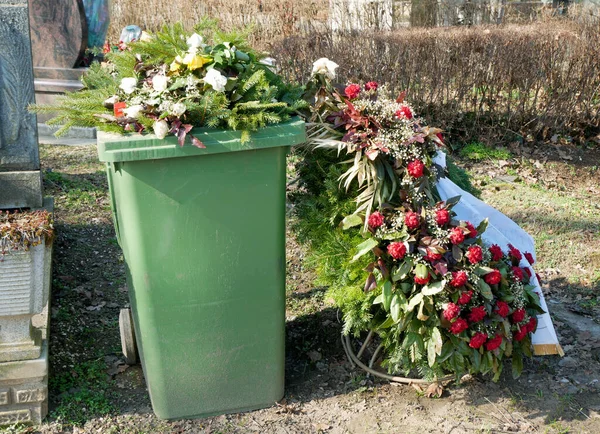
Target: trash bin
{"x":203,"y":237}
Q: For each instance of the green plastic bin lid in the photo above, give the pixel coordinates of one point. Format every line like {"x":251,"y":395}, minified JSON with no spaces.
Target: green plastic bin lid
{"x":114,"y":148}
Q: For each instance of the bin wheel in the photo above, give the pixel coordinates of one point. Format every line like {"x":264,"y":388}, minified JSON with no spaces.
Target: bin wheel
{"x":128,"y":344}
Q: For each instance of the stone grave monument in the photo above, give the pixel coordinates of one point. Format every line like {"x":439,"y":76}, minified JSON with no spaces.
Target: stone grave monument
{"x":24,"y":275}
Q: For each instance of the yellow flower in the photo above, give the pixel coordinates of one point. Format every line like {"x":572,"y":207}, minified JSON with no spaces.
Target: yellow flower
{"x":175,"y":66}
{"x":195,"y":61}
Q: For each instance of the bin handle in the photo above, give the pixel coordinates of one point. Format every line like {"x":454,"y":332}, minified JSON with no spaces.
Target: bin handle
{"x":113,"y":203}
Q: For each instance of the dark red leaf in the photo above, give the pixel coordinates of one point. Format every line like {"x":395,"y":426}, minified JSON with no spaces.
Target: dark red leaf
{"x":197,"y":143}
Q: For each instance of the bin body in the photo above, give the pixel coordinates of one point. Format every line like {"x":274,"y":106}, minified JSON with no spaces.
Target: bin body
{"x":203,"y":238}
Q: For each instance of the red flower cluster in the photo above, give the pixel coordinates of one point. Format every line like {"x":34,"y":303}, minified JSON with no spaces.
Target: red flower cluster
{"x":496,"y":252}
{"x":442,"y":216}
{"x":518,"y":273}
{"x":514,"y":252}
{"x":477,"y":314}
{"x":352,"y":91}
{"x":474,"y":254}
{"x":494,"y":343}
{"x":415,"y":168}
{"x":451,"y":311}
{"x":459,"y":326}
{"x":472,"y":230}
{"x":457,"y":236}
{"x":465,"y":297}
{"x":371,"y":85}
{"x":412,"y":220}
{"x":502,"y":308}
{"x":493,"y":277}
{"x":422,"y":280}
{"x":520,"y":334}
{"x":478,"y":340}
{"x":518,"y":315}
{"x":405,"y":112}
{"x":396,"y":250}
{"x":529,"y":258}
{"x":459,"y":278}
{"x":375,"y":220}
{"x":432,"y":256}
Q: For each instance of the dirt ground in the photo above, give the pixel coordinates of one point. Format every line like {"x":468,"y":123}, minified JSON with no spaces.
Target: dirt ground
{"x":92,"y":390}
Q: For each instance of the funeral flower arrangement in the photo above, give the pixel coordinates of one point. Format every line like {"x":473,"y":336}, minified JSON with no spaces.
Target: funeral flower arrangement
{"x":439,"y":300}
{"x":173,"y":80}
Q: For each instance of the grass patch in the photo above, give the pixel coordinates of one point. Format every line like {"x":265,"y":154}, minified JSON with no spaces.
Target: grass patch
{"x":479,"y":152}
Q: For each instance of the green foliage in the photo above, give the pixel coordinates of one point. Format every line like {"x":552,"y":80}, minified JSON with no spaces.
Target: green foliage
{"x":460,"y":177}
{"x":478,"y":151}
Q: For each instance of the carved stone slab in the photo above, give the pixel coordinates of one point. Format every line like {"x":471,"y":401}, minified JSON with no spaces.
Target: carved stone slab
{"x":58,"y":32}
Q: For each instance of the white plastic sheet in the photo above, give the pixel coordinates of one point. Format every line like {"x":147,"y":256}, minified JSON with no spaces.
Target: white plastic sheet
{"x":502,"y":231}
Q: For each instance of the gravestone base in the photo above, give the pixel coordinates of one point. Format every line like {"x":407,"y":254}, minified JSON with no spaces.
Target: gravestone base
{"x":24,"y":390}
{"x":21,"y":189}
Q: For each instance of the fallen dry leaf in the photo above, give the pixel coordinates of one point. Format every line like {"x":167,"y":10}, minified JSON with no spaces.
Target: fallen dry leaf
{"x":435,"y":390}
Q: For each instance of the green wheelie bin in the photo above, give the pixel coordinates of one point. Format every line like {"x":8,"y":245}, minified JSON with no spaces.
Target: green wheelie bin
{"x":203,"y":238}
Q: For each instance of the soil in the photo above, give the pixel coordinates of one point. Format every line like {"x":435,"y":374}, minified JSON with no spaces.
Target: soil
{"x":324,"y":391}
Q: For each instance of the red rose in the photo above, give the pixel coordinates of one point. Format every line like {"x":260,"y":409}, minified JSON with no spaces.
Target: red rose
{"x":474,"y":254}
{"x":529,"y":258}
{"x":442,"y":216}
{"x":478,"y":340}
{"x":457,"y":236}
{"x":415,"y":168}
{"x":375,"y":220}
{"x":459,"y":278}
{"x":496,"y":252}
{"x":502,"y":308}
{"x":396,"y":250}
{"x":404,"y":112}
{"x":494,"y":343}
{"x":519,"y":335}
{"x":477,"y":314}
{"x":465,"y":297}
{"x":451,"y":311}
{"x":528,"y":271}
{"x":514,"y":252}
{"x":518,"y":273}
{"x":371,"y":85}
{"x":422,"y":280}
{"x":493,"y":277}
{"x":352,"y":91}
{"x":432,"y":256}
{"x":472,"y":230}
{"x":518,"y":315}
{"x":412,"y":220}
{"x":531,"y":325}
{"x":459,"y":326}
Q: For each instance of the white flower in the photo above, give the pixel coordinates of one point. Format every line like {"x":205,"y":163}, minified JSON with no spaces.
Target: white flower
{"x":145,"y":37}
{"x":325,"y":66}
{"x":195,"y":41}
{"x":269,"y":61}
{"x":133,"y":111}
{"x":111,"y":101}
{"x":128,"y":85}
{"x":178,"y":109}
{"x":216,"y":80}
{"x":161,"y":128}
{"x":160,"y":82}
{"x":188,"y":57}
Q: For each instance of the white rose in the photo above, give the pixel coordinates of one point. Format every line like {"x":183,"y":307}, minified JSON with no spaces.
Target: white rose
{"x":195,"y":41}
{"x":133,"y":111}
{"x":128,"y":85}
{"x":216,"y":80}
{"x":325,"y":66}
{"x":161,"y":128}
{"x":178,"y":109}
{"x":160,"y":82}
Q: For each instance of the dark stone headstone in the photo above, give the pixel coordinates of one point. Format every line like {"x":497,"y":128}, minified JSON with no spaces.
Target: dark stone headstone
{"x":58,"y":32}
{"x":20,"y":179}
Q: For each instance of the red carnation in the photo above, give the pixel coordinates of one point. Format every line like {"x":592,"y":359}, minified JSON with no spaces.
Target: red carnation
{"x":528,"y":271}
{"x":472,"y":230}
{"x":459,"y":278}
{"x":422,"y":280}
{"x":493,"y":277}
{"x":494,"y":343}
{"x":352,"y":91}
{"x":474,"y":254}
{"x":496,"y":252}
{"x":405,"y":112}
{"x":412,"y":220}
{"x":459,"y":326}
{"x":415,"y":168}
{"x":519,"y":335}
{"x":457,"y":236}
{"x":514,"y":252}
{"x":396,"y":250}
{"x":432,"y":256}
{"x":502,"y":308}
{"x":371,"y":85}
{"x":451,"y":311}
{"x":442,"y":216}
{"x":465,"y":297}
{"x":518,"y":273}
{"x":478,"y":340}
{"x":531,"y":325}
{"x":518,"y":315}
{"x":529,"y":258}
{"x":477,"y":314}
{"x":375,"y":220}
